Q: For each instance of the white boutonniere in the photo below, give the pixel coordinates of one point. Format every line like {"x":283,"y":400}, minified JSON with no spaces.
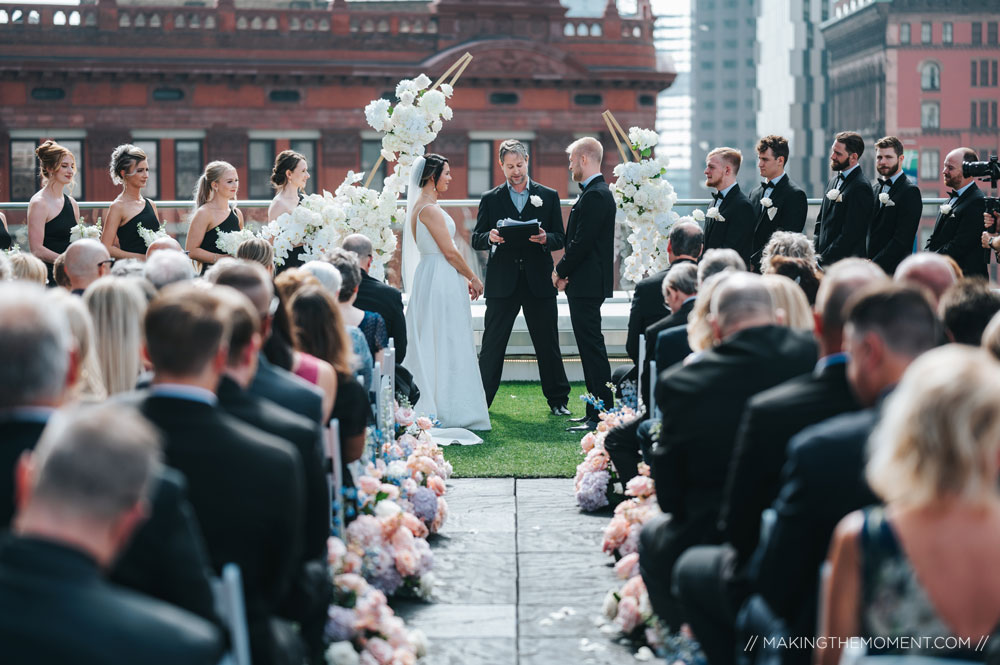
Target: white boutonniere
{"x":713,"y":213}
{"x":945,"y":209}
{"x":768,"y":205}
{"x":698,"y":215}
{"x":536,"y":200}
{"x":884,"y":199}
{"x":835,"y":195}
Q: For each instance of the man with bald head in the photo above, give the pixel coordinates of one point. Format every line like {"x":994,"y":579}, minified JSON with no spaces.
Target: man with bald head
{"x":934,"y":272}
{"x":958,"y":229}
{"x":165,"y":242}
{"x":87,"y":261}
{"x":376,"y":296}
{"x":702,"y":405}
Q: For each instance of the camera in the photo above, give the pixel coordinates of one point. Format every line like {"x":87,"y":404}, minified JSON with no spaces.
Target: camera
{"x":990,"y":170}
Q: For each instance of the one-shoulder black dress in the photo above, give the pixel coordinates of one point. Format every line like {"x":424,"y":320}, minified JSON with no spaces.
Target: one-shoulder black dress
{"x":129,"y":239}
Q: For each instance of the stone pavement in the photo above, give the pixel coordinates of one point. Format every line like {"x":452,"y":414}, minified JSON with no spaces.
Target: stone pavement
{"x":513,"y":556}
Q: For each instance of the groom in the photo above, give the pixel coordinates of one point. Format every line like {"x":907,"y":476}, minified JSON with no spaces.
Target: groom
{"x":586,"y":269}
{"x":517,"y":276}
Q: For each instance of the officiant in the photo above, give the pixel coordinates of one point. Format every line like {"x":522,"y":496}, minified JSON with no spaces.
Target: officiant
{"x":518,"y":274}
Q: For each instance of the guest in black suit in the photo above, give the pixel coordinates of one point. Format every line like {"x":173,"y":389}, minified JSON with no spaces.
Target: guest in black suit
{"x":80,"y":497}
{"x":886,"y":327}
{"x":842,"y":225}
{"x":702,"y":403}
{"x":730,"y":220}
{"x":712,"y":579}
{"x":586,"y":271}
{"x":517,"y":276}
{"x":378,"y":297}
{"x":896,"y":218}
{"x":787,"y":202}
{"x":958,"y":229}
{"x":246,"y":486}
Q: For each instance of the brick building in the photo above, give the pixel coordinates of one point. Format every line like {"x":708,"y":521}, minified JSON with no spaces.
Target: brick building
{"x":237,"y":82}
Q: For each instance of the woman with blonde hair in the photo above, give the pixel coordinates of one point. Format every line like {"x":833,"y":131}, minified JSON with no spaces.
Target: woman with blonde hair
{"x":89,"y":386}
{"x":924,"y":564}
{"x":129,"y":212}
{"x":259,"y":251}
{"x":216,"y":212}
{"x":117,"y":306}
{"x":28,"y":267}
{"x":52,"y":213}
{"x":790,"y":302}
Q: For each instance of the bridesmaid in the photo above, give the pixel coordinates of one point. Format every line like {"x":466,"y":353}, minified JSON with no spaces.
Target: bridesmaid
{"x":215,"y":198}
{"x":52,"y":213}
{"x":288,"y":178}
{"x":5,"y":240}
{"x":129,"y":210}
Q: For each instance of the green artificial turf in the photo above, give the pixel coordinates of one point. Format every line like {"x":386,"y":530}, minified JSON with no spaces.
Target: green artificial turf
{"x":526,"y":440}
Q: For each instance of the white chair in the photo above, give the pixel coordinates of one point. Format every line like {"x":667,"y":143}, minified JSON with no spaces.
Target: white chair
{"x":335,"y":477}
{"x":655,"y":412}
{"x":638,"y":373}
{"x":228,"y":592}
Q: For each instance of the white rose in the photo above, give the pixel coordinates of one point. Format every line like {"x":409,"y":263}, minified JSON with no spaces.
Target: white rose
{"x":447,"y":89}
{"x":766,"y":202}
{"x":945,"y":209}
{"x":835,"y":195}
{"x":421,"y":82}
{"x":342,"y":653}
{"x":418,"y":640}
{"x":536,"y":200}
{"x":387,"y":508}
{"x":884,"y":199}
{"x":610,"y":605}
{"x":713,"y":213}
{"x":698,"y":215}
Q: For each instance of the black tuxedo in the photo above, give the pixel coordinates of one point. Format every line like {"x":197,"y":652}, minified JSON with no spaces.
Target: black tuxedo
{"x":893,"y":228}
{"x":671,"y":347}
{"x":519,"y":277}
{"x":647,"y":308}
{"x":287,"y":390}
{"x":588,"y":264}
{"x":789,"y":202}
{"x":842,"y":228}
{"x":652,"y":335}
{"x":736,"y":232}
{"x":56,"y":609}
{"x":17,"y":435}
{"x":702,"y":404}
{"x":958,"y":234}
{"x":246,"y":489}
{"x":375,"y":296}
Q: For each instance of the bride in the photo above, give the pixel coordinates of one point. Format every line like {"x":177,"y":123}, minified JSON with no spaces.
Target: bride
{"x":438,"y":317}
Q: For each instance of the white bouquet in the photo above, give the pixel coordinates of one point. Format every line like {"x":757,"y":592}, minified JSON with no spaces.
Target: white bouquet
{"x":149,"y":236}
{"x":84,"y":230}
{"x":229,"y":241}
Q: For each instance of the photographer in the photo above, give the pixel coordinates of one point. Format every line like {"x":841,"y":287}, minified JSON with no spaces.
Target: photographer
{"x":991,"y":170}
{"x":957,"y":227}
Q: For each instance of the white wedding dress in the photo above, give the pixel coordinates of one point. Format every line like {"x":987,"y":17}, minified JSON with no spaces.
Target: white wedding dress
{"x":441,"y":351}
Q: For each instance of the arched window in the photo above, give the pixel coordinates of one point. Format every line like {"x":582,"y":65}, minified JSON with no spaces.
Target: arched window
{"x":930,"y":76}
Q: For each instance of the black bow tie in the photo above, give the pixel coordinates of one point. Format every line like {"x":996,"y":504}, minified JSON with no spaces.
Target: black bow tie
{"x":767,"y":183}
{"x":953,"y":194}
{"x":885,"y":182}
{"x":717,"y":197}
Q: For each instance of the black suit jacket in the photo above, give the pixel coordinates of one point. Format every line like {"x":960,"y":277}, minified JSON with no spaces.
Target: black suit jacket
{"x":822,"y":481}
{"x":590,"y":239}
{"x":958,"y":234}
{"x":893,"y":228}
{"x":17,"y":435}
{"x":769,"y":421}
{"x":56,"y":610}
{"x":374,"y":296}
{"x":702,"y":404}
{"x":737,"y":231}
{"x":287,"y":390}
{"x":502,"y":269}
{"x":671,"y":347}
{"x":246,"y":489}
{"x":652,"y":335}
{"x":790,"y":206}
{"x":646,"y":309}
{"x":842,"y":228}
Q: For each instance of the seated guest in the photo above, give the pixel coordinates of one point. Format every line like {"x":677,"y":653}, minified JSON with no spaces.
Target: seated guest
{"x":28,"y":267}
{"x":966,"y":309}
{"x":117,"y":306}
{"x":59,"y":271}
{"x":991,"y":337}
{"x":89,"y":385}
{"x":791,"y":245}
{"x":259,"y":251}
{"x":168,"y":267}
{"x":371,"y":323}
{"x":712,"y":579}
{"x":799,"y":271}
{"x":701,"y":405}
{"x":887,"y":327}
{"x":790,"y":302}
{"x":375,"y":296}
{"x":87,"y":260}
{"x":272,"y":380}
{"x":924,"y":564}
{"x":251,"y":517}
{"x":933,"y":272}
{"x":127,"y":268}
{"x":165,"y":242}
{"x":81,"y":496}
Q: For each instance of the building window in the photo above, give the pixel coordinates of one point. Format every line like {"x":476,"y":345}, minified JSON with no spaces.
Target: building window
{"x":929,"y":164}
{"x":973,"y":115}
{"x":152,"y":149}
{"x":48,"y":94}
{"x":930,"y":76}
{"x":729,"y":64}
{"x":586,"y":99}
{"x":707,"y":64}
{"x":647,"y":100}
{"x":503,"y":98}
{"x":984,"y":115}
{"x":977,"y":33}
{"x":930,"y":115}
{"x":187,"y":167}
{"x":168,"y":95}
{"x":284,"y":96}
{"x":904,"y":33}
{"x":23,"y":170}
{"x":261,"y":165}
{"x":947,"y":33}
{"x":993,"y":114}
{"x":974,"y":74}
{"x":307,"y":149}
{"x":480,"y":168}
{"x":991,"y":33}
{"x":370,"y":152}
{"x":993,"y":74}
{"x":925,"y":33}
{"x":708,"y":85}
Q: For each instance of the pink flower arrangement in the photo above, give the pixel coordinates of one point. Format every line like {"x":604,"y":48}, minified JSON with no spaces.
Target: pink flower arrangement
{"x":596,"y":475}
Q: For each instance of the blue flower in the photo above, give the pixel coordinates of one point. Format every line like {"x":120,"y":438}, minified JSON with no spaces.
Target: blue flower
{"x":340,"y":624}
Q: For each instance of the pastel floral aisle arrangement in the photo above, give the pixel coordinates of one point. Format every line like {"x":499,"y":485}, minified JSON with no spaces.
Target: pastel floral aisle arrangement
{"x":389,"y":549}
{"x":621,"y":536}
{"x":229,"y":241}
{"x":149,"y":236}
{"x":596,"y":480}
{"x":83,"y":230}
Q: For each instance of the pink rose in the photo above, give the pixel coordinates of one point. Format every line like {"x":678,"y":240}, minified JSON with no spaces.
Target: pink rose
{"x":403,"y":657}
{"x":424,"y":423}
{"x":436,"y":483}
{"x":627,"y":566}
{"x":405,"y":417}
{"x":352,"y":582}
{"x":380,"y":649}
{"x":391,"y":490}
{"x":634,"y":588}
{"x":615,"y":534}
{"x":402,"y":539}
{"x":367,"y":659}
{"x":406,"y":562}
{"x":413,"y":523}
{"x":631,"y":543}
{"x":368,"y":485}
{"x":628,"y":614}
{"x":410,"y":486}
{"x":640,"y":486}
{"x":587,"y":442}
{"x":441,"y":516}
{"x":644,"y":469}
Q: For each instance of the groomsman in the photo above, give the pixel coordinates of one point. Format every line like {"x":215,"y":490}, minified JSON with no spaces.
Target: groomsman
{"x":729,"y":222}
{"x":959,"y":226}
{"x":842,"y":225}
{"x":517,"y":276}
{"x":787,"y":207}
{"x":586,"y":269}
{"x":898,"y":205}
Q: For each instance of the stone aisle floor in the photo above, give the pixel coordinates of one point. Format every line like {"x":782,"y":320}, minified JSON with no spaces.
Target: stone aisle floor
{"x":513,"y":555}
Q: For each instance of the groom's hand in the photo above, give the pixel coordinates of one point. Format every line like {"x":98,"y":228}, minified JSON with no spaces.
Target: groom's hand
{"x":559,"y":282}
{"x":495,"y":237}
{"x":540,"y":238}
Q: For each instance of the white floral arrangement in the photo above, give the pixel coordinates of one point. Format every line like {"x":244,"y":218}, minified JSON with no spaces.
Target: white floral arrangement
{"x":884,"y":199}
{"x":835,"y":195}
{"x":945,"y":209}
{"x":84,"y":230}
{"x":149,"y":236}
{"x":536,"y":200}
{"x":769,"y":206}
{"x":645,"y":200}
{"x":229,"y":241}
